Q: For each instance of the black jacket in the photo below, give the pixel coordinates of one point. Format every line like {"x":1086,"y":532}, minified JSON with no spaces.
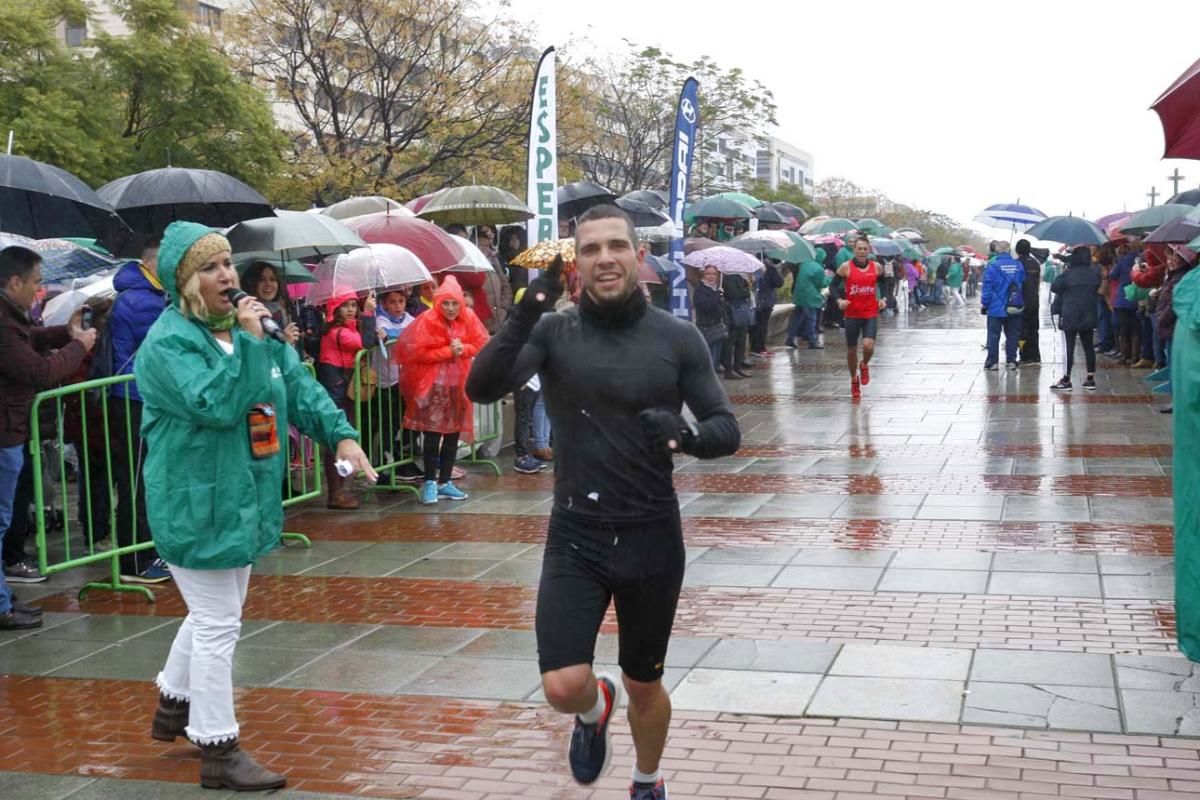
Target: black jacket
{"x":1032,"y":285}
{"x":1078,"y":287}
{"x":710,"y":306}
{"x":600,"y":367}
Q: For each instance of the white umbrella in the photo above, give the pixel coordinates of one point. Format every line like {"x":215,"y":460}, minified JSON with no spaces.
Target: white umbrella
{"x":376,"y":266}
{"x":473,"y":259}
{"x":59,"y":309}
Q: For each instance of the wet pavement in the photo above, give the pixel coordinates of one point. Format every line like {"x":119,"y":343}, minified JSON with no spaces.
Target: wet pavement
{"x":959,"y":587}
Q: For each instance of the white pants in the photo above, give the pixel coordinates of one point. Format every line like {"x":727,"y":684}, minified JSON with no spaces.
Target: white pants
{"x":200,"y":666}
{"x":957,"y":296}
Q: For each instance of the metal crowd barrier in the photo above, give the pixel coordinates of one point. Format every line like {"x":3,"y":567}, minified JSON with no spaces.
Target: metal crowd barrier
{"x":99,"y":430}
{"x":303,"y":459}
{"x":86,"y":419}
{"x":388,"y":445}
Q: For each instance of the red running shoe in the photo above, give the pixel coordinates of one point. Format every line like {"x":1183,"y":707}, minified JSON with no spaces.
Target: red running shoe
{"x":855,"y":390}
{"x":865,"y":372}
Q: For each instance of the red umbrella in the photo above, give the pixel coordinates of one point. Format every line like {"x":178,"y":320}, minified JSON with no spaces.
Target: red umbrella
{"x":417,"y":203}
{"x":1179,"y":111}
{"x":437,"y":249}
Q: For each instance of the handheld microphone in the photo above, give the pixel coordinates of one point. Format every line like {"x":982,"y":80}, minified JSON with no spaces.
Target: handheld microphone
{"x":269,"y":325}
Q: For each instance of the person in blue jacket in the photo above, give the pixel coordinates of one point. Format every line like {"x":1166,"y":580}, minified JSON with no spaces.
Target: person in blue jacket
{"x":140,"y":300}
{"x":1126,"y":309}
{"x":1003,"y":306}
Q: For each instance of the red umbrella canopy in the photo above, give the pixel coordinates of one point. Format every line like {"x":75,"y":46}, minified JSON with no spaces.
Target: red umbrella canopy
{"x":437,"y":249}
{"x":1179,"y":111}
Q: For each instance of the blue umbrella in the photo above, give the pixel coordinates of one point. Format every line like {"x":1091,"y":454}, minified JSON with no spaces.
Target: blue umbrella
{"x":1015,"y":215}
{"x":886,"y":247}
{"x":1068,"y":230}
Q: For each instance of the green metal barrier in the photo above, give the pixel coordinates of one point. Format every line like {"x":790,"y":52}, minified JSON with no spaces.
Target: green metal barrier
{"x":303,"y":461}
{"x":489,"y":426}
{"x":379,"y":421}
{"x":99,"y":428}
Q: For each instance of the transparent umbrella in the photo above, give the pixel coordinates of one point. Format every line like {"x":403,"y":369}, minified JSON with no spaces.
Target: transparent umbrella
{"x":371,"y":268}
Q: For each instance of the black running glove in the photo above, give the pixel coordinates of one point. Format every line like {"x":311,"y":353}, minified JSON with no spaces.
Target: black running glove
{"x":541,"y":294}
{"x":666,"y":431}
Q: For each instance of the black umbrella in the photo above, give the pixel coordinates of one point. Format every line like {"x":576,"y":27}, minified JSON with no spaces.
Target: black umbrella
{"x":651,"y":197}
{"x":767,"y":213}
{"x":150,"y":201}
{"x":576,"y":198}
{"x":1189,"y":198}
{"x":789,"y":210}
{"x":643,"y":214}
{"x":44,"y":202}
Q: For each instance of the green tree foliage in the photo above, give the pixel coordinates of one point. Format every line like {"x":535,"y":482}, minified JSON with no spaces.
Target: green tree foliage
{"x":129,"y":103}
{"x":784,"y":193}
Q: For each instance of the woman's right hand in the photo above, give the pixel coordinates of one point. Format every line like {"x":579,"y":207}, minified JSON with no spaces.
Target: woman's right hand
{"x":292,"y":333}
{"x":250,"y":313}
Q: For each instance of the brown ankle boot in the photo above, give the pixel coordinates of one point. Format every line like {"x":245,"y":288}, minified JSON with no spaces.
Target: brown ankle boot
{"x":170,"y":719}
{"x":225,"y":765}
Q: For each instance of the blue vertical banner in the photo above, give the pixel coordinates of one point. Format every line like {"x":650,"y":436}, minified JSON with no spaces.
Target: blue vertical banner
{"x":687,"y":118}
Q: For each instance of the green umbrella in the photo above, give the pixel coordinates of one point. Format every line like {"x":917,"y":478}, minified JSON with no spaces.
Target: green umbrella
{"x":717,"y":208}
{"x":293,"y":234}
{"x":475,"y":205}
{"x":835,"y":225}
{"x":873,"y":227}
{"x":748,"y":200}
{"x":1148,"y":219}
{"x":293,"y":271}
{"x":943,"y":251}
{"x":908,"y":249}
{"x":800,"y":251}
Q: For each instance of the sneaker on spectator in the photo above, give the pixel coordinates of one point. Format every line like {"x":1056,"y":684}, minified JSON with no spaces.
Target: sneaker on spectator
{"x":528,"y":465}
{"x":24,"y":571}
{"x":1090,"y":384}
{"x":429,"y":493}
{"x":410,"y":473}
{"x":451,"y":492}
{"x":457,"y":474}
{"x":157,"y":572}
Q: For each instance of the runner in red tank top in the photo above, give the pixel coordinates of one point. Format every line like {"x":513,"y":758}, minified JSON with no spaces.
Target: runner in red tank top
{"x":860,"y":304}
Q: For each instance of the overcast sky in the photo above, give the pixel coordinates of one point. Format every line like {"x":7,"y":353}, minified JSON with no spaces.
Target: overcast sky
{"x":948,"y":106}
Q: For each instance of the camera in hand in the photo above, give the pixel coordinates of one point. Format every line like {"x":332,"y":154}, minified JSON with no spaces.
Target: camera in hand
{"x":269,"y":325}
{"x":85,"y":321}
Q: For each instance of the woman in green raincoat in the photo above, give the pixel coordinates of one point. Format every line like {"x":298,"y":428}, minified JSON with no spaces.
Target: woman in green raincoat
{"x":218,"y":398}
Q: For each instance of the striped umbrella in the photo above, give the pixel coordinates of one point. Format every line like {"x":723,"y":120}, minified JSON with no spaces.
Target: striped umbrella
{"x":1006,"y":215}
{"x":475,"y":205}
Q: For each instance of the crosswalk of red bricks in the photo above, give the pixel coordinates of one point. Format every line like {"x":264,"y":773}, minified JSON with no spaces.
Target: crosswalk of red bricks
{"x":406,"y":746}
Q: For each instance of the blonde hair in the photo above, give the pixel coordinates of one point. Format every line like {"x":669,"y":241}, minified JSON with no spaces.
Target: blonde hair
{"x":190,"y":302}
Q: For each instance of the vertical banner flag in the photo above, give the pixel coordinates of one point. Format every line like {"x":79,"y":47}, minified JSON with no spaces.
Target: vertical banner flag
{"x":542,"y":170}
{"x":687,"y":117}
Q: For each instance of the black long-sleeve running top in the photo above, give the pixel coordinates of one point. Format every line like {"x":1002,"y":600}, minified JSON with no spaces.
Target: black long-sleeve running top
{"x":599,"y":367}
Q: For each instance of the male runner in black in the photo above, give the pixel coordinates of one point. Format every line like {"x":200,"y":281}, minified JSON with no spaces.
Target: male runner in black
{"x":615,"y":372}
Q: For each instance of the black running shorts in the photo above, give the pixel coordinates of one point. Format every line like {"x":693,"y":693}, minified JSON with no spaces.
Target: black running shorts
{"x":639,"y":568}
{"x":866,"y":328}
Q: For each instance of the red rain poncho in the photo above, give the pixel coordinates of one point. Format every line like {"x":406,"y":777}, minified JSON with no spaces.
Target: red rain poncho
{"x":432,"y":379}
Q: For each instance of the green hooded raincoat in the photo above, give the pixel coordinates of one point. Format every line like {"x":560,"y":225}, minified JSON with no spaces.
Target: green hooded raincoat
{"x":210,"y":503}
{"x":1185,"y":375}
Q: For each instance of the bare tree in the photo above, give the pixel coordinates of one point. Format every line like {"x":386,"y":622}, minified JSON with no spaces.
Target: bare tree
{"x":390,"y":93}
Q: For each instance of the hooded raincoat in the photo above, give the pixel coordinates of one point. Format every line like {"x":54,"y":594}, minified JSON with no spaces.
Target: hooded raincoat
{"x":432,"y":379}
{"x":1185,"y":375}
{"x":210,"y":503}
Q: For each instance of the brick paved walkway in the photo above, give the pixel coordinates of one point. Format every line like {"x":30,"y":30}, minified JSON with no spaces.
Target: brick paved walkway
{"x":959,"y":588}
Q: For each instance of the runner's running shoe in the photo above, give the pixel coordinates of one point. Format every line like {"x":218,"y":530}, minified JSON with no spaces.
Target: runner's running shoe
{"x":641,"y":791}
{"x":865,"y":373}
{"x":591,"y":745}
